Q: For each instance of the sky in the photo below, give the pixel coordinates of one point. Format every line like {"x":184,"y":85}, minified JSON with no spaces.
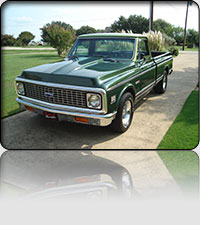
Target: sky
{"x":31,"y":16}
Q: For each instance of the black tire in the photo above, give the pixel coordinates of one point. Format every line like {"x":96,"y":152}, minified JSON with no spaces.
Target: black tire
{"x":161,"y":87}
{"x":121,"y":124}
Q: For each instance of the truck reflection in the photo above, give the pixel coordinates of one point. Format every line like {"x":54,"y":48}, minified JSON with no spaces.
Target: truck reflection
{"x":62,"y":175}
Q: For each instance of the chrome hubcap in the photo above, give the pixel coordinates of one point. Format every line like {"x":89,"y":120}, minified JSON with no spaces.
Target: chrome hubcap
{"x":126,"y":113}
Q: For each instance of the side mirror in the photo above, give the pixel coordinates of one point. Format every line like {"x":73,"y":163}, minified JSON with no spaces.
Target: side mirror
{"x":140,"y":55}
{"x":141,"y":58}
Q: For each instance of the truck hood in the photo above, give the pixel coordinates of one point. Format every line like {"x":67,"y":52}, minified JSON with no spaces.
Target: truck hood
{"x":89,"y":72}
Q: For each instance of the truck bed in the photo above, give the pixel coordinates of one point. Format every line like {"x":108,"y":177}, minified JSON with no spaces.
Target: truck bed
{"x":161,"y":59}
{"x":156,"y":54}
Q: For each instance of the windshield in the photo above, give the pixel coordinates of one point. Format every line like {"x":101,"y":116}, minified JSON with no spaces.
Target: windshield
{"x":117,"y":48}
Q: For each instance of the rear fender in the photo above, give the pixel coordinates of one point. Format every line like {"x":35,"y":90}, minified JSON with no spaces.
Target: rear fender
{"x":166,"y":68}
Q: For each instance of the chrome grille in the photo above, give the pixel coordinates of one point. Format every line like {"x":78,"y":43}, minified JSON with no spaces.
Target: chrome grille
{"x":56,"y":95}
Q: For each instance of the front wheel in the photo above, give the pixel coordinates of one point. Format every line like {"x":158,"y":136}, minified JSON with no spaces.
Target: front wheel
{"x":124,"y":184}
{"x":161,"y":87}
{"x":124,"y":114}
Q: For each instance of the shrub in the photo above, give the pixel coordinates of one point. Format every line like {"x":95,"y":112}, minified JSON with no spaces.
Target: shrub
{"x":7,"y":40}
{"x":169,"y":41}
{"x":59,"y":35}
{"x":25,"y":37}
{"x":161,"y":42}
{"x":18,"y":42}
{"x":174,"y":50}
{"x":156,"y":40}
{"x":85,"y":30}
{"x":189,"y":45}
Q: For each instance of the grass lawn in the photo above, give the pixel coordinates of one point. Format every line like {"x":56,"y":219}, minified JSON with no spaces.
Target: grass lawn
{"x":13,"y":63}
{"x":183,"y":133}
{"x":183,"y":165}
{"x":21,"y":51}
{"x":39,"y":46}
{"x":29,"y":46}
{"x":188,"y":49}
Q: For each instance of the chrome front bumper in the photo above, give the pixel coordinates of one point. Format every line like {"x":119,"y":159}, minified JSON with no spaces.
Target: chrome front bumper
{"x":100,"y":190}
{"x":67,"y":113}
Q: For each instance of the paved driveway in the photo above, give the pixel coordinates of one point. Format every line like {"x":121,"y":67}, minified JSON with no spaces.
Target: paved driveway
{"x":151,"y":120}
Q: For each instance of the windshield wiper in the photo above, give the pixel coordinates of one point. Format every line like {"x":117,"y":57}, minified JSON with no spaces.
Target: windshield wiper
{"x":102,"y":56}
{"x":73,"y":57}
{"x":106,"y":58}
{"x":110,"y":59}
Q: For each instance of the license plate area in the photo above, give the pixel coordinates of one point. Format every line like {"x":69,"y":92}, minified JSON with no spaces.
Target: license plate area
{"x":51,"y":116}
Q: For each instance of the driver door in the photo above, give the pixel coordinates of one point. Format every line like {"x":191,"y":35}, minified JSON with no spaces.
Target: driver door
{"x":146,"y":65}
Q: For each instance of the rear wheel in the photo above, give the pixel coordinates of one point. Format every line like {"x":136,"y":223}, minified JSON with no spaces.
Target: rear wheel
{"x":124,"y":114}
{"x":161,"y":87}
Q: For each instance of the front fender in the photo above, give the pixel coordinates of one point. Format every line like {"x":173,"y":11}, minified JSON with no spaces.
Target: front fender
{"x":127,"y":88}
{"x":118,"y":92}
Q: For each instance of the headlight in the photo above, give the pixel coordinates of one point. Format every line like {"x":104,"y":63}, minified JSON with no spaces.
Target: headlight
{"x":93,"y":101}
{"x":20,"y":88}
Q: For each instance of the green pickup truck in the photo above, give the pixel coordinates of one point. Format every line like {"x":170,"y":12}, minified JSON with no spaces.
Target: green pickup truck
{"x":98,"y":83}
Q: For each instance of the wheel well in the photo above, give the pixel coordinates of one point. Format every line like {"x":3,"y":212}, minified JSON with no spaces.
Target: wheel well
{"x":167,"y":69}
{"x":131,"y":90}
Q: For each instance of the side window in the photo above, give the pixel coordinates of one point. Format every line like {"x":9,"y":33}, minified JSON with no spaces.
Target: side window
{"x":142,"y":48}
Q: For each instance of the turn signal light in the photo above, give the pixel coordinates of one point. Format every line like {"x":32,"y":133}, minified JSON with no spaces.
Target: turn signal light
{"x":81,"y":119}
{"x":29,"y":108}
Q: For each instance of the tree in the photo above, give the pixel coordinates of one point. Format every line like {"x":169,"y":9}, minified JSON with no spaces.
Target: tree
{"x":163,"y":27}
{"x":59,"y":35}
{"x":134,"y":24}
{"x":45,"y":36}
{"x":169,"y":41}
{"x":7,"y":40}
{"x":192,"y":37}
{"x":138,"y":24}
{"x":26,"y":37}
{"x":18,"y":42}
{"x":178,"y":34}
{"x":85,"y":30}
{"x":171,"y":34}
{"x":100,"y":31}
{"x":121,"y":24}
